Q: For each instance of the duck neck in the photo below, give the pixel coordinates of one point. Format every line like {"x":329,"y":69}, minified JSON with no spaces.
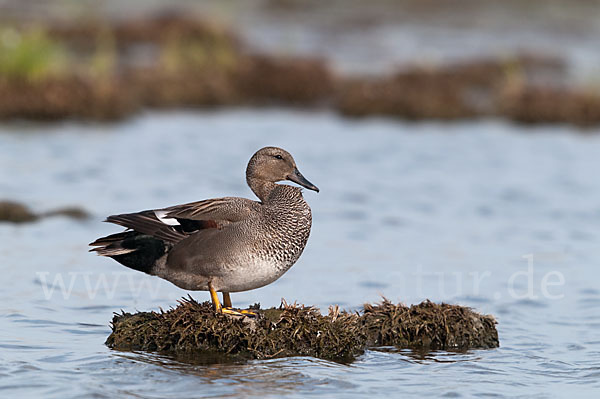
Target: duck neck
{"x":262,"y":188}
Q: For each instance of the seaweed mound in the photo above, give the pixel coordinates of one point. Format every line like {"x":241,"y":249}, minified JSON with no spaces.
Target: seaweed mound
{"x":293,"y":330}
{"x":15,"y":212}
{"x":428,"y":325}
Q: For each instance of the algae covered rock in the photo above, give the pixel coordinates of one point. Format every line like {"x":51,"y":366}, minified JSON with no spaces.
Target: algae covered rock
{"x":293,"y":330}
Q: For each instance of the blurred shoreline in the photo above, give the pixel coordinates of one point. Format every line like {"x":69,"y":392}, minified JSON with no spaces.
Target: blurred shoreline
{"x":102,"y":67}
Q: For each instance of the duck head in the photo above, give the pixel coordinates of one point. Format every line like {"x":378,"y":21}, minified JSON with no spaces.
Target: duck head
{"x":274,"y":164}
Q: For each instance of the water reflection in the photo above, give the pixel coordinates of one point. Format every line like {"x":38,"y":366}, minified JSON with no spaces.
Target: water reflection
{"x":279,"y":376}
{"x":425,"y":356}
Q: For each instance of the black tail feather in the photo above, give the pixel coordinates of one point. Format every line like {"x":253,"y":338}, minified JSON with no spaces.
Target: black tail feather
{"x":132,"y":249}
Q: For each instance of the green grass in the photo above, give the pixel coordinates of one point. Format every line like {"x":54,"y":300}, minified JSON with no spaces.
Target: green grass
{"x":29,"y":55}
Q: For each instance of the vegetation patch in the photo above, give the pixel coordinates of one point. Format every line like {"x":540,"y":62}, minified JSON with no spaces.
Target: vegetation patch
{"x":29,"y":55}
{"x":297,"y":330}
{"x":111,"y":69}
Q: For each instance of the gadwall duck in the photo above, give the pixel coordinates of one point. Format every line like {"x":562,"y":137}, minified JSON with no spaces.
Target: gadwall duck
{"x":225,"y":244}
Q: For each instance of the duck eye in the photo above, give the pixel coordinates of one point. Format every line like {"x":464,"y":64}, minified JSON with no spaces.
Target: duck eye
{"x":277,"y":156}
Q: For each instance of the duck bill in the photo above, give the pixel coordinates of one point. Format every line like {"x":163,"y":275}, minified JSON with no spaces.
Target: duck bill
{"x":297,"y":177}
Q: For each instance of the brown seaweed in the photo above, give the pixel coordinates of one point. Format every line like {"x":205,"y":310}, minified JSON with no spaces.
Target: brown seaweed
{"x":297,"y":330}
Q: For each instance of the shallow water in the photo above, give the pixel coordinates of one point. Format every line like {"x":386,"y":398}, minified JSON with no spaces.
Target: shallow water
{"x":450,"y":212}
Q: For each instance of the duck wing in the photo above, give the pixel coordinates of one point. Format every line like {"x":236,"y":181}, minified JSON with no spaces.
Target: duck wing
{"x":154,"y":231}
{"x":175,"y":223}
{"x":221,"y":211}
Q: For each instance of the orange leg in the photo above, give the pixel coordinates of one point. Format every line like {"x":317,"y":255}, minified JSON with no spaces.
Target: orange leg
{"x":226,"y":308}
{"x":227,"y":300}
{"x":215,"y":299}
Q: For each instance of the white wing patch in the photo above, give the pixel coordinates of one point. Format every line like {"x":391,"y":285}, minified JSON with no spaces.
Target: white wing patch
{"x":162,"y":216}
